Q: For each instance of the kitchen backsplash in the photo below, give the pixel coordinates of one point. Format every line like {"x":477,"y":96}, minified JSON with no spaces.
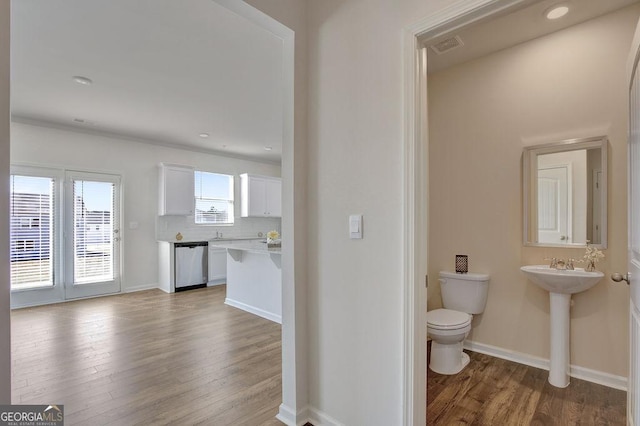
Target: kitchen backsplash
{"x":244,"y":227}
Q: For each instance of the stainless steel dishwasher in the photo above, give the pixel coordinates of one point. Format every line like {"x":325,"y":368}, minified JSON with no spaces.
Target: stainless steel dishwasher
{"x":191,"y":267}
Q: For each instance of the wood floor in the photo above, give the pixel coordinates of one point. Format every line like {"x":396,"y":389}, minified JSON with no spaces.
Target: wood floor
{"x":149,"y":358}
{"x":491,"y":391}
{"x":152,"y":358}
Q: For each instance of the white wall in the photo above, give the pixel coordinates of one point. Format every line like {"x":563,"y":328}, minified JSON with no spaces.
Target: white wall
{"x":356,"y":166}
{"x":138,"y":165}
{"x":5,"y":323}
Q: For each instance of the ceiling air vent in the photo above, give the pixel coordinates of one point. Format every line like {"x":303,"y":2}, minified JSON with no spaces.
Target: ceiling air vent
{"x":447,"y":45}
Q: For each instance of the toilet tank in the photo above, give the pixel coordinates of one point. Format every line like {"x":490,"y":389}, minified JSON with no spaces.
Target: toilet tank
{"x":464,"y":292}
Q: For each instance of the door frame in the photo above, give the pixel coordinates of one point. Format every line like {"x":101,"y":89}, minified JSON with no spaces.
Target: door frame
{"x":63,"y":270}
{"x":293,"y":408}
{"x":633,"y":399}
{"x":71,"y":292}
{"x":416,"y":198}
{"x":45,"y":295}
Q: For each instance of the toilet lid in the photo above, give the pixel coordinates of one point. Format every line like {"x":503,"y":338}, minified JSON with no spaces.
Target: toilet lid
{"x":447,"y":318}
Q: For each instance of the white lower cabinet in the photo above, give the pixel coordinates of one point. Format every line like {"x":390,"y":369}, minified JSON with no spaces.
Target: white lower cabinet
{"x":217,"y":266}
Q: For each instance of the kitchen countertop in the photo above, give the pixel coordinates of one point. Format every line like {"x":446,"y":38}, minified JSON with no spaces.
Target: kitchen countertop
{"x":254,"y":245}
{"x":210,"y":240}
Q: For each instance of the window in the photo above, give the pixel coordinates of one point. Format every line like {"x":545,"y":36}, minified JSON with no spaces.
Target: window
{"x":214,"y":198}
{"x":31,"y":230}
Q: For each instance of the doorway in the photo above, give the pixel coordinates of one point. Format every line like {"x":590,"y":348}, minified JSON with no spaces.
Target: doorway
{"x":470,"y":12}
{"x":64,"y":235}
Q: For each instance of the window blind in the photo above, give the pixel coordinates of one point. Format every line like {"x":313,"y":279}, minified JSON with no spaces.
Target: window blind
{"x":214,"y":198}
{"x":93,"y":231}
{"x":31,"y":231}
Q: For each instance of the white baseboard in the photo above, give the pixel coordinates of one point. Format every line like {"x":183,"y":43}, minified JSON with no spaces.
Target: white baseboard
{"x":290,"y":418}
{"x":252,"y":309}
{"x":306,"y":415}
{"x":140,"y":288}
{"x":319,"y":418}
{"x":286,"y":415}
{"x":594,"y":376}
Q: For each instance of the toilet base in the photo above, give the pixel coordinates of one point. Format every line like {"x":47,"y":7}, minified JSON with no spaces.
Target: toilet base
{"x":447,"y":358}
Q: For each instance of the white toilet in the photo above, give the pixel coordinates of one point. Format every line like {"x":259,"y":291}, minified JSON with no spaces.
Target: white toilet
{"x":462,"y":295}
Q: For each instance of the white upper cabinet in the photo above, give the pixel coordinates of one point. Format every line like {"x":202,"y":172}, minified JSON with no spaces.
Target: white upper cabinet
{"x":260,"y":196}
{"x":176,"y":190}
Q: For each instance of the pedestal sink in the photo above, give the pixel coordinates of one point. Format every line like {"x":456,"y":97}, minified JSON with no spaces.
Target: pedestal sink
{"x":560,"y":284}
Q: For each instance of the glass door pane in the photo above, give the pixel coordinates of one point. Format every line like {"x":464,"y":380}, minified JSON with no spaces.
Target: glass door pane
{"x":93,"y":224}
{"x":93,"y":205}
{"x":31,"y":232}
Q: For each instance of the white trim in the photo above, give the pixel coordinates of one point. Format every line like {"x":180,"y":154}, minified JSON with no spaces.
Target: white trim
{"x":634,"y":55}
{"x":252,"y":309}
{"x":460,"y":14}
{"x":307,"y":415}
{"x":415,"y":203}
{"x":414,"y":357}
{"x":594,"y":376}
{"x":294,"y":357}
{"x":320,"y":418}
{"x":54,"y":302}
{"x":20,"y":305}
{"x":153,"y":286}
{"x":286,"y":415}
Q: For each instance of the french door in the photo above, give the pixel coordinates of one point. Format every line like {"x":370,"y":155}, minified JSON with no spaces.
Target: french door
{"x":92,"y":234}
{"x":64,"y":238}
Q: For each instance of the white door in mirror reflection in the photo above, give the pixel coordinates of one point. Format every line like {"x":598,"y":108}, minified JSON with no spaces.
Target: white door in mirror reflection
{"x":554,"y":219}
{"x":596,"y":236}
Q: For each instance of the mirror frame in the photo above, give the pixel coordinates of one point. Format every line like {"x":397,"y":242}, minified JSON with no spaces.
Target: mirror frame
{"x":530,"y":153}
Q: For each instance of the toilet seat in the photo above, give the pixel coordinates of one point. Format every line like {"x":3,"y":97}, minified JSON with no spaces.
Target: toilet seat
{"x":447,"y":319}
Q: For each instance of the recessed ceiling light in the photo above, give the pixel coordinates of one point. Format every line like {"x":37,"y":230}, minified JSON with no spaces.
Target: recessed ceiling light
{"x":82,"y":80}
{"x":204,"y":135}
{"x":556,"y":12}
{"x":268,"y":148}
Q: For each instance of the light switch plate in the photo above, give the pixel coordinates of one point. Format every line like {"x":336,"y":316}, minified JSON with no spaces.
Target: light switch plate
{"x":355,"y":226}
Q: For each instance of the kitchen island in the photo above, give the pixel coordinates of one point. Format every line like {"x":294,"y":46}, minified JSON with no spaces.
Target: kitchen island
{"x":254,"y":277}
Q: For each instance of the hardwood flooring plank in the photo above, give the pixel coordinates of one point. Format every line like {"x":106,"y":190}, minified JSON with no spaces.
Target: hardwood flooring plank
{"x":149,"y":358}
{"x":492,"y":391}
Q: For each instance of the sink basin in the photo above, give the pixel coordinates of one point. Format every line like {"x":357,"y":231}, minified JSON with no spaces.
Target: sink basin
{"x":562,"y":281}
{"x":561,"y":284}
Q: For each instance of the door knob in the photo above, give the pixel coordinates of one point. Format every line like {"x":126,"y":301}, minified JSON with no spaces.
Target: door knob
{"x":617,"y":277}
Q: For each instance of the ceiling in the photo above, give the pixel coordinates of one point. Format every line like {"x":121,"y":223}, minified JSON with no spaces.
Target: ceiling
{"x":163,"y":71}
{"x":512,"y":26}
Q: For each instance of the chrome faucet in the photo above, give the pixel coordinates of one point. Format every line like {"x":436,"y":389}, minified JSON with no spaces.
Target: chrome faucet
{"x":560,"y":264}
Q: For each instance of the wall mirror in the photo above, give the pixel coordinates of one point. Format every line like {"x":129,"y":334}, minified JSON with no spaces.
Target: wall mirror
{"x":565,"y":193}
